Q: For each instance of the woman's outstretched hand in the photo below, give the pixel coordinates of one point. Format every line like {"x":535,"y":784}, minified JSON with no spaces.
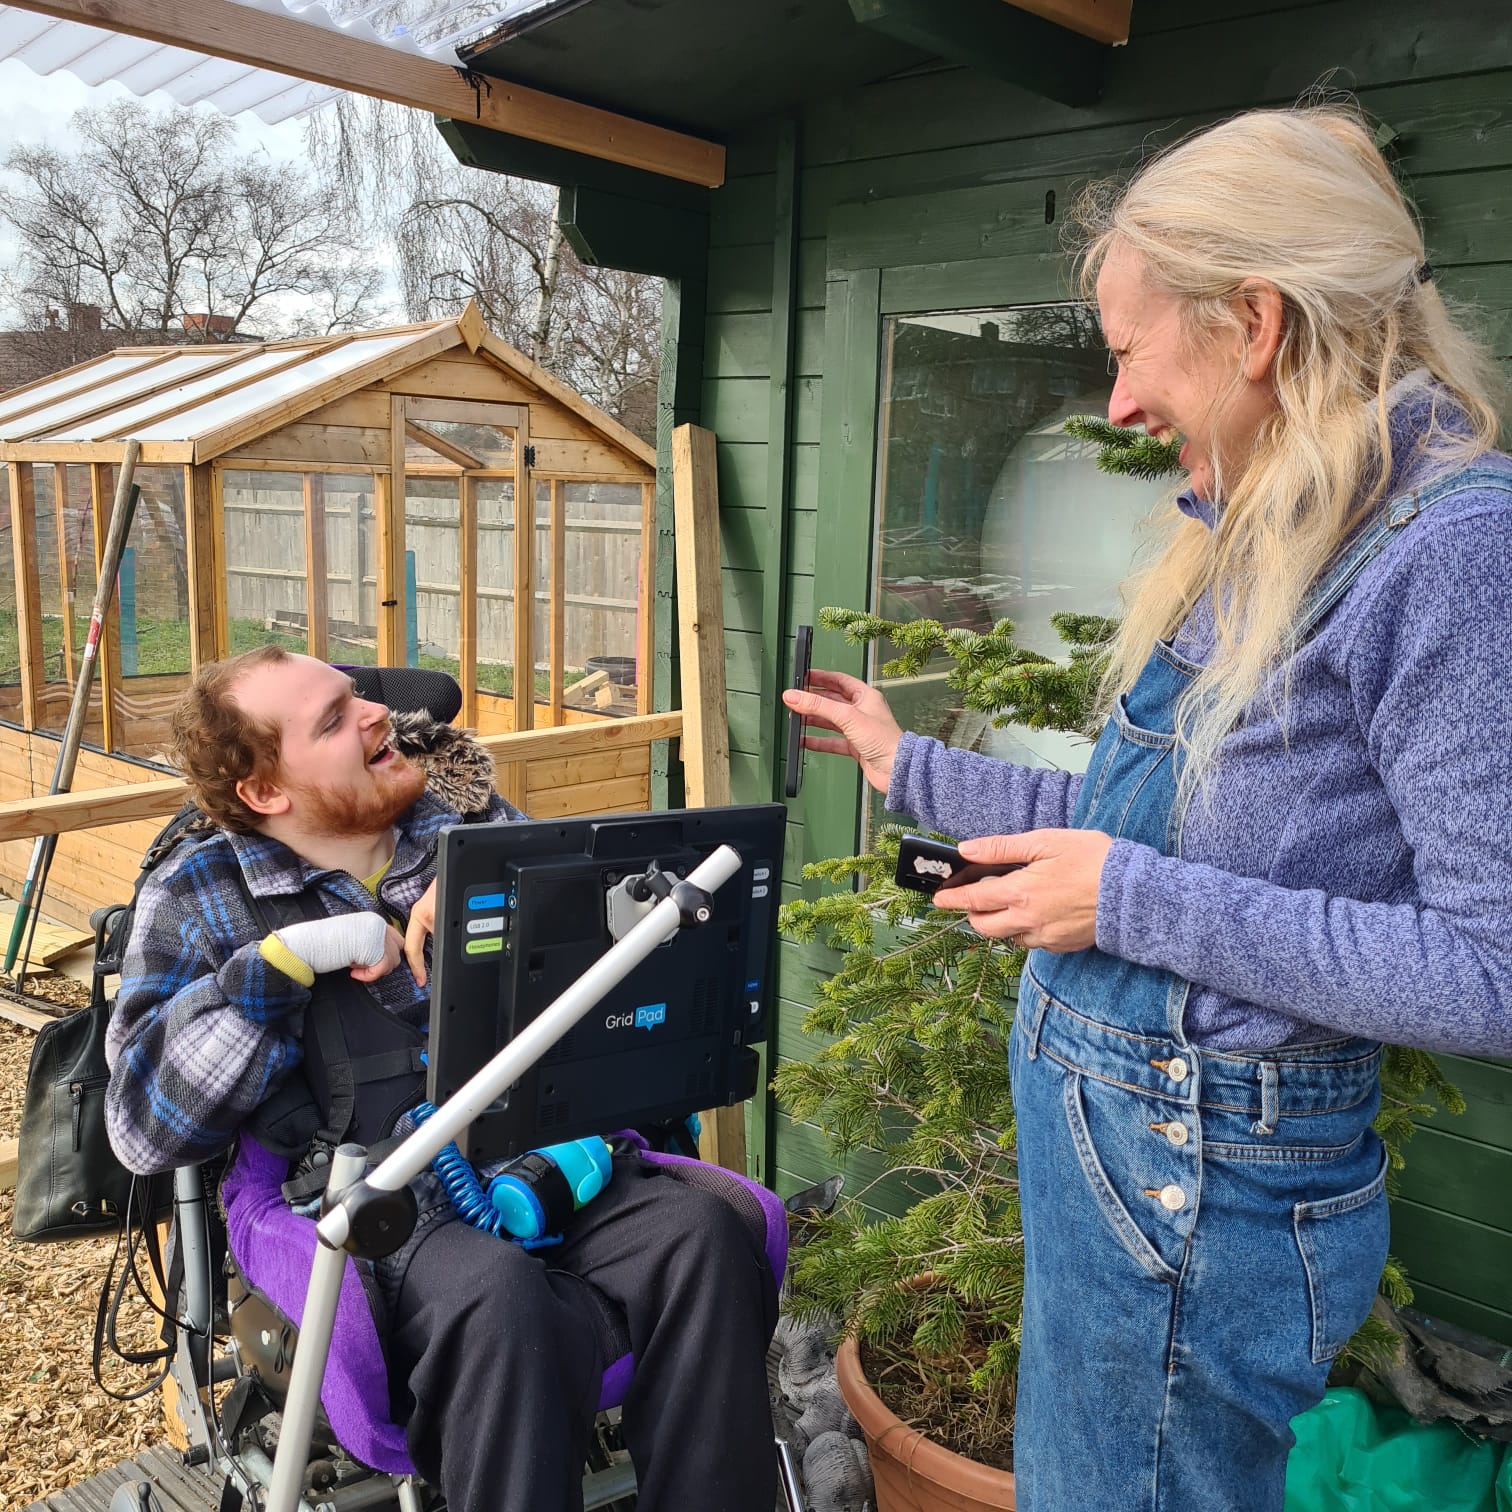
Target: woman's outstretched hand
{"x":858,"y":713}
{"x":1051,"y":904}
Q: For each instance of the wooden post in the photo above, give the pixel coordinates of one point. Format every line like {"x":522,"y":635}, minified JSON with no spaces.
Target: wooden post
{"x":389,"y":508}
{"x":101,"y":496}
{"x":467,"y":602}
{"x":218,"y":561}
{"x":645,"y":638}
{"x":204,"y":586}
{"x":706,"y":728}
{"x":317,"y":577}
{"x":23,"y":506}
{"x":524,"y":580}
{"x":557,"y":595}
{"x":60,"y":502}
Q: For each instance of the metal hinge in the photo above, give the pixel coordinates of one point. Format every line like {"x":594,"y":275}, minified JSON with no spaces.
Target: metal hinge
{"x":530,"y":456}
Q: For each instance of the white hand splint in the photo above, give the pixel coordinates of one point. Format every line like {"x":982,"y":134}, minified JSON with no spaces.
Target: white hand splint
{"x":354,"y":939}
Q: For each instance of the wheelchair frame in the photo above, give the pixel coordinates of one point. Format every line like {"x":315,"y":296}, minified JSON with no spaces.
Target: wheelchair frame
{"x":368,"y":1215}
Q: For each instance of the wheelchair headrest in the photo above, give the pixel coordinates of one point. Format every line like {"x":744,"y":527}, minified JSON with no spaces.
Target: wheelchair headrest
{"x":409,"y":690}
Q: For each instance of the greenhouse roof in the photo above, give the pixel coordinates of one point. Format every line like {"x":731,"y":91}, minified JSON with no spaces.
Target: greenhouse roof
{"x":192,"y":403}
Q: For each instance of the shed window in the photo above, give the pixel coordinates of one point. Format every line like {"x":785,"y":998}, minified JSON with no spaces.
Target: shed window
{"x":64,"y":562}
{"x":267,"y":600}
{"x":986,"y":509}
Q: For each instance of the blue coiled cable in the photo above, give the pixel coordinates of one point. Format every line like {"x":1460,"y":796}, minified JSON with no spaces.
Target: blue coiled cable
{"x":463,"y":1185}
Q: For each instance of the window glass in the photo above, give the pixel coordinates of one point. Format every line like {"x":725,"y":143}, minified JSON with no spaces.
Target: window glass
{"x":432,"y":545}
{"x":154,"y":597}
{"x":65,"y":567}
{"x":266,"y":572}
{"x":987,"y":510}
{"x":495,"y":553}
{"x":601,"y":594}
{"x":351,"y":534}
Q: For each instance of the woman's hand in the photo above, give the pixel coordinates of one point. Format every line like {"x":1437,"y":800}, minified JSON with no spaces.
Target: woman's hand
{"x":422,"y":924}
{"x":393,"y":946}
{"x":1051,"y":904}
{"x":866,"y":730}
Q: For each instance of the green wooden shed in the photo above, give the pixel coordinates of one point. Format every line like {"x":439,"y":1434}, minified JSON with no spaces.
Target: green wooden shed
{"x":872,"y":311}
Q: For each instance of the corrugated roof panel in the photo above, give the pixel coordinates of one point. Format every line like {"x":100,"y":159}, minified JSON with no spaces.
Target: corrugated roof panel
{"x":121,"y":390}
{"x":426,"y":28}
{"x":63,"y":383}
{"x":216,"y":413}
{"x":120,"y":420}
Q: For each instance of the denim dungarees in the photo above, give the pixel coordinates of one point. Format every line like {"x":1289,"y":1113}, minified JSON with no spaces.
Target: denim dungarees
{"x":1203,"y":1230}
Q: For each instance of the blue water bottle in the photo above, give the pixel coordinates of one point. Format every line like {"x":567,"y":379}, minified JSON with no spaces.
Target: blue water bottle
{"x":539,"y":1191}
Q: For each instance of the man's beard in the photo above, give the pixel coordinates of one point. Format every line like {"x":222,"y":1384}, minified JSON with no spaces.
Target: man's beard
{"x":370,"y":809}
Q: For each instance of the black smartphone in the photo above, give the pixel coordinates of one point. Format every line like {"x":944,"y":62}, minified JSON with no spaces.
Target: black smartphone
{"x":926,"y":865}
{"x":803,"y":657}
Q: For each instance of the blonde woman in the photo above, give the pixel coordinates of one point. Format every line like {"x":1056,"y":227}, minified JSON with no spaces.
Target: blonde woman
{"x":1294,"y":839}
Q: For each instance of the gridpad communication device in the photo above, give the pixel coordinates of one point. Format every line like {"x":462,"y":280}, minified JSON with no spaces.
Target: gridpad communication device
{"x":524,"y":909}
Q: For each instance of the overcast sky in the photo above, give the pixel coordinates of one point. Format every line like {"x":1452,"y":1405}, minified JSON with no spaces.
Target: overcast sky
{"x":37,"y":110}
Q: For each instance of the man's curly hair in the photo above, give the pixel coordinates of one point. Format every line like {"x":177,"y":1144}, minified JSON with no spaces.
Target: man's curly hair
{"x":217,"y":744}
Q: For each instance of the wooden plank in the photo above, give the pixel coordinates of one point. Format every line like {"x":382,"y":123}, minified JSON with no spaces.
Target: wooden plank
{"x":576,"y":458}
{"x":557,"y":596}
{"x":441,"y":446}
{"x":10,"y":1153}
{"x":467,"y":604}
{"x":1102,"y":20}
{"x":294,"y":445}
{"x":1455,"y":1254}
{"x":582,"y":739}
{"x":706,"y":740}
{"x":57,"y":813}
{"x":285,"y":45}
{"x":631,"y":761}
{"x":205,"y":587}
{"x":612,"y":796}
{"x":1488,"y":1321}
{"x":26,"y":1018}
{"x":1459,"y":1176}
{"x":706,"y":749}
{"x":102,"y":500}
{"x":469,"y":411}
{"x":524,"y":585}
{"x":645,"y":632}
{"x":23,"y":508}
{"x":153,"y":453}
{"x":218,"y":561}
{"x":389,"y":505}
{"x":317,"y":572}
{"x":50,"y":942}
{"x":60,"y":504}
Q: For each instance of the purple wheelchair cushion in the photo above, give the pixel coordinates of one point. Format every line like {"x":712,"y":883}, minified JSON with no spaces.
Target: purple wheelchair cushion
{"x":275,"y":1248}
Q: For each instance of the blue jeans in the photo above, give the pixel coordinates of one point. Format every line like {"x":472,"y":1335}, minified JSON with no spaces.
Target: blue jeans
{"x":1202,"y":1234}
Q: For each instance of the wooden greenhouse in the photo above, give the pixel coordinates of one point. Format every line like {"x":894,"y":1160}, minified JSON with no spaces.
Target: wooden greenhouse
{"x":356,"y":497}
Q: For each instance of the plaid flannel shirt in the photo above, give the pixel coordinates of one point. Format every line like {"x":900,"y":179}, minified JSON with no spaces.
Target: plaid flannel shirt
{"x":205,"y":1028}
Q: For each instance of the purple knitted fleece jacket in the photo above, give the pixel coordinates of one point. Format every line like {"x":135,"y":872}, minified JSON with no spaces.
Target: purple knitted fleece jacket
{"x":1356,"y":876}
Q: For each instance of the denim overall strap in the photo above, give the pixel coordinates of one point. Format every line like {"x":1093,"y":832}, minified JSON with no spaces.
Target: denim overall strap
{"x":1399,"y":511}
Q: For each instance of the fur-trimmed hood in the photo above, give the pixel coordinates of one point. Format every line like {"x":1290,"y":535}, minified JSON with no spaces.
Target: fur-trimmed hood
{"x":457,"y":769}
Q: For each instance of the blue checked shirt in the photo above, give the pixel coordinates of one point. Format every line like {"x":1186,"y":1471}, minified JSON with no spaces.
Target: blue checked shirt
{"x":204,"y":1027}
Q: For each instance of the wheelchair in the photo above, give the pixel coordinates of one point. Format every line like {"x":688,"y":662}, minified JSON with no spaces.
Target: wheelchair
{"x":235,"y":1286}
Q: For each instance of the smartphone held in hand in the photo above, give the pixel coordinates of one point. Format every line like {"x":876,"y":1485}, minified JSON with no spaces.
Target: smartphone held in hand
{"x":926,"y":865}
{"x":803,"y":655}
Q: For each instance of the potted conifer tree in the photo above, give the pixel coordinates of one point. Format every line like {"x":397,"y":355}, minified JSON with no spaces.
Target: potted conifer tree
{"x":912,"y":1063}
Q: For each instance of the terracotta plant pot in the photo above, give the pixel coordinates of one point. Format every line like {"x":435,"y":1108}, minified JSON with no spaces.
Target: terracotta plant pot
{"x":912,"y":1472}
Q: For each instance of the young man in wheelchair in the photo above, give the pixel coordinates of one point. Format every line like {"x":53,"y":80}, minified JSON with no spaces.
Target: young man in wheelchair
{"x":325,"y":850}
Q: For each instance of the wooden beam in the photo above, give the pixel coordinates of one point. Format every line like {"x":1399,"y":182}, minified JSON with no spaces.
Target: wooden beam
{"x":61,"y":813}
{"x":556,"y":596}
{"x":706,"y":728}
{"x":524,"y":582}
{"x":10,"y":1161}
{"x":23,"y":507}
{"x":1001,"y":41}
{"x":204,"y":586}
{"x":60,"y":504}
{"x":102,"y":499}
{"x":317,"y":577}
{"x":441,"y":446}
{"x":388,"y":506}
{"x":645,"y":636}
{"x":467,"y":602}
{"x":263,"y":39}
{"x":1102,"y":20}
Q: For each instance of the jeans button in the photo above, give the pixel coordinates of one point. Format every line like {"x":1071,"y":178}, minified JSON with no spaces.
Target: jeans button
{"x":1177,"y":1133}
{"x":1172,"y":1199}
{"x":1177,"y":1069}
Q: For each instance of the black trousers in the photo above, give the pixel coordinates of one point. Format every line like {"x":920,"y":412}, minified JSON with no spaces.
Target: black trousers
{"x":496,"y":1354}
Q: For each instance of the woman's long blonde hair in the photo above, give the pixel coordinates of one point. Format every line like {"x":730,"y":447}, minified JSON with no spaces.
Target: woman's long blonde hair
{"x":1303,"y":199}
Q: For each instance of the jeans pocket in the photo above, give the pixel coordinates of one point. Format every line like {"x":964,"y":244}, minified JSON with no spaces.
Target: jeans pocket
{"x":1343,"y":1243}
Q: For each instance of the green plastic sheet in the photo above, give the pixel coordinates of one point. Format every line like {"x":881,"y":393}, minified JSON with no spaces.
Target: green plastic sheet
{"x":1353,"y":1456}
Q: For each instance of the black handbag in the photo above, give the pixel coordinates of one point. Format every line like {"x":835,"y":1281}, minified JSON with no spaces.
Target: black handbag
{"x":69,"y":1184}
